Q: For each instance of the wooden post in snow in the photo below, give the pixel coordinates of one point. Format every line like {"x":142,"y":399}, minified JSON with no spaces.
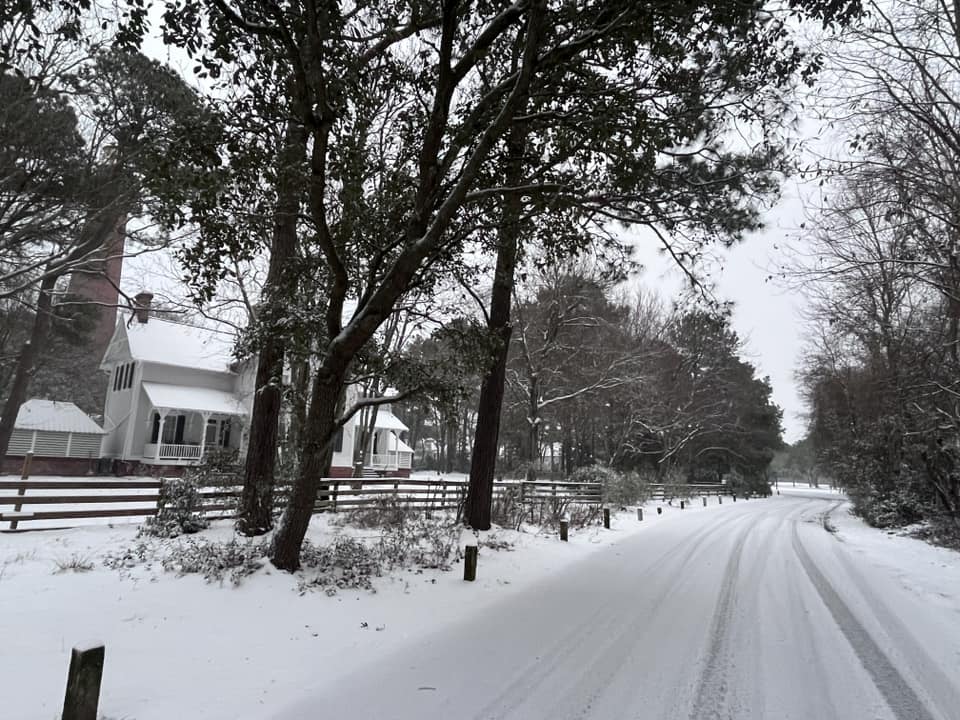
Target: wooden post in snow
{"x":470,"y":563}
{"x":27,"y":462}
{"x":24,"y":476}
{"x":606,"y":518}
{"x":83,"y":683}
{"x":639,"y":513}
{"x":683,"y":504}
{"x":659,"y":511}
{"x":564,"y":526}
{"x":704,"y":500}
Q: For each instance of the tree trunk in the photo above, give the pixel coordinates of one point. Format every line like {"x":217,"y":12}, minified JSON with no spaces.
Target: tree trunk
{"x":25,"y":363}
{"x":325,"y":399}
{"x":255,"y":514}
{"x":483,"y":458}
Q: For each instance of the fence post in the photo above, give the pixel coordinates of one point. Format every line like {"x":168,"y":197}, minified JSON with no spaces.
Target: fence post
{"x":83,"y":684}
{"x":606,"y":518}
{"x":704,"y":500}
{"x":22,"y":490}
{"x":683,"y":504}
{"x":639,"y":513}
{"x":720,"y":499}
{"x":659,"y":510}
{"x":335,"y":494}
{"x":470,"y":563}
{"x":734,"y":497}
{"x":564,"y":525}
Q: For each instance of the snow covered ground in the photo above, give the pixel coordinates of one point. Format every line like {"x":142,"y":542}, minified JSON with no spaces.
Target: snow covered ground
{"x":707,"y":612}
{"x":226,"y":652}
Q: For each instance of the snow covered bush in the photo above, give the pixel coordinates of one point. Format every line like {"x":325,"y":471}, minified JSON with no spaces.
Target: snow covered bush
{"x":345,"y":564}
{"x":386,"y":510}
{"x":179,"y":509}
{"x":626,"y":489}
{"x":419,"y":542}
{"x":215,"y":560}
{"x":506,"y":510}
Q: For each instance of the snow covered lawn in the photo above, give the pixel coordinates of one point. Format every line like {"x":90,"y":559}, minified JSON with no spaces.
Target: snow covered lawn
{"x":182,"y":647}
{"x":179,"y":646}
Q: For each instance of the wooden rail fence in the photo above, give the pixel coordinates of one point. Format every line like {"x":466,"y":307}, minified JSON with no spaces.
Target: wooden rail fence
{"x":48,"y":500}
{"x":668,"y":491}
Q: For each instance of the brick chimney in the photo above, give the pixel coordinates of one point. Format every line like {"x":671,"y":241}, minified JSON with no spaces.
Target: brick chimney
{"x":141,"y":303}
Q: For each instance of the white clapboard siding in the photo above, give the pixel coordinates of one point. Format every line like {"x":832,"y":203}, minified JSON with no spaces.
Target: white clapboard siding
{"x":85,"y":445}
{"x":50,"y":444}
{"x":20,"y":442}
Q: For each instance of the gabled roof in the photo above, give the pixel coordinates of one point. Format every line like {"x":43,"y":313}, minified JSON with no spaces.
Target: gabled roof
{"x":55,"y":416}
{"x":172,"y":343}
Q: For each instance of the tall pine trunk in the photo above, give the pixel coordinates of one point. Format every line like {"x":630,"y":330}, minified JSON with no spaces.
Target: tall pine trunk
{"x":26,"y":362}
{"x":255,"y":514}
{"x":483,"y":459}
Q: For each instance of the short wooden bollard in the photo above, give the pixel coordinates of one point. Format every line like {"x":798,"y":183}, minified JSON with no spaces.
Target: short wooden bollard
{"x":683,"y":504}
{"x":659,"y":511}
{"x":470,"y":563}
{"x":734,"y":497}
{"x":639,"y":513}
{"x":606,"y":518}
{"x":704,"y":500}
{"x":720,"y":499}
{"x":83,"y":684}
{"x":563,"y":530}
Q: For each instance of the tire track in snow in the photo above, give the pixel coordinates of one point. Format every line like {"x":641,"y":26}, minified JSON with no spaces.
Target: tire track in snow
{"x":897,"y":692}
{"x":711,"y":699}
{"x":939,"y":689}
{"x":583,"y":636}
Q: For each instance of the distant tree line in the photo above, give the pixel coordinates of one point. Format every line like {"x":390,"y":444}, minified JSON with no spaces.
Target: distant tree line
{"x":595,"y":376}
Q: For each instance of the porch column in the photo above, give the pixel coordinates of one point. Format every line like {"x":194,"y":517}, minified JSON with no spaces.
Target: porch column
{"x":203,"y":433}
{"x":163,"y":421}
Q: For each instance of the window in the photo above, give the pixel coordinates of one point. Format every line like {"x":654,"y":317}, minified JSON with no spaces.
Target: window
{"x":129,"y":378}
{"x":217,"y":433}
{"x":225,"y":433}
{"x":172,"y":429}
{"x":116,"y":377}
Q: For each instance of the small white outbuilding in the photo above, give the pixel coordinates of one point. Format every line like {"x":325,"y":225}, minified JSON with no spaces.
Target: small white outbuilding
{"x":49,"y":428}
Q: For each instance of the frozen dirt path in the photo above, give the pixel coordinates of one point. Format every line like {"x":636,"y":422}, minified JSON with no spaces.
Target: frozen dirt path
{"x":757,"y":612}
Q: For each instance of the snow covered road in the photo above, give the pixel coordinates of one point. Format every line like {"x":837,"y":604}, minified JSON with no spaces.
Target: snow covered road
{"x":755,"y":610}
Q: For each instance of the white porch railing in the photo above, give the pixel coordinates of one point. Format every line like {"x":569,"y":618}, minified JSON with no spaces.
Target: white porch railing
{"x":170,"y":451}
{"x":390,"y":461}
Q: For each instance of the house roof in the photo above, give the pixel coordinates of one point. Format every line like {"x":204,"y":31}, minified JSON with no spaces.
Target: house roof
{"x":172,"y":343}
{"x":180,"y":397}
{"x":386,"y":420}
{"x":55,"y":416}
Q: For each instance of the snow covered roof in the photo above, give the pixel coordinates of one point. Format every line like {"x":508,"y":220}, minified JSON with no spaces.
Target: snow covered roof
{"x":55,"y":416}
{"x":172,"y":343}
{"x":386,"y":420}
{"x":181,"y":397}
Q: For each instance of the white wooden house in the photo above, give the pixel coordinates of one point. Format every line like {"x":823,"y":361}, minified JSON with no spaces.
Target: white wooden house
{"x":176,"y":393}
